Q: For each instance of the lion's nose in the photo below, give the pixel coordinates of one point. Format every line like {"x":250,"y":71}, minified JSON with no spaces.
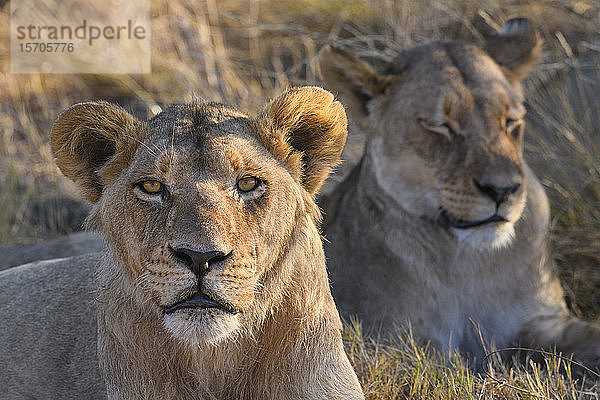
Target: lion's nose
{"x":198,"y":262}
{"x":498,"y":194}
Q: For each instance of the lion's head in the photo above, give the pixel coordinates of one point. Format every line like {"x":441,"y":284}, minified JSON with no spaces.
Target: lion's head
{"x":445,"y":123}
{"x":198,"y":204}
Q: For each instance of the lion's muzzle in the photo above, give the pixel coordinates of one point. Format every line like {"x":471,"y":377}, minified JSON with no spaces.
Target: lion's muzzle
{"x":199,"y":263}
{"x":451,"y":220}
{"x":199,"y":300}
{"x":498,"y":194}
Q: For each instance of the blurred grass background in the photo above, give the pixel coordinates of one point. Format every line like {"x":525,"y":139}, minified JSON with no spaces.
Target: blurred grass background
{"x":245,"y":51}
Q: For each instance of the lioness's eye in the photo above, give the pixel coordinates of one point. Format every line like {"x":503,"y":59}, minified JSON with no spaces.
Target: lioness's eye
{"x":446,"y":129}
{"x":151,"y":187}
{"x":514,"y":127}
{"x":247,"y":183}
{"x":450,"y":129}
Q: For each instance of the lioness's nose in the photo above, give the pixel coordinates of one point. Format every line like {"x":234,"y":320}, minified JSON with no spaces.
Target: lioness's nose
{"x":198,"y":262}
{"x":497,"y":193}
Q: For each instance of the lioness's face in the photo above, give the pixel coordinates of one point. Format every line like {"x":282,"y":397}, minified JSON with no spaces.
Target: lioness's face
{"x":206,"y":204}
{"x":445,"y":125}
{"x":448,"y":142}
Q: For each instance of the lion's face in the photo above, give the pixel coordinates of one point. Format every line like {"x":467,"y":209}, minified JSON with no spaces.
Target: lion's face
{"x":446,"y":138}
{"x":204,"y":201}
{"x":205,"y":207}
{"x":453,"y":150}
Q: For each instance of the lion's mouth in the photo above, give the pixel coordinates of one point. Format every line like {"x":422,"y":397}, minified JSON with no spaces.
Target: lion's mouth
{"x":199,"y":300}
{"x":458,"y":223}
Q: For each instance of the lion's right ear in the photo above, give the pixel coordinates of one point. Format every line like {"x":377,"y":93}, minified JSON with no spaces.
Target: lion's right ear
{"x":354,"y":80}
{"x":515,"y":47}
{"x":86,"y":137}
{"x":306,"y":128}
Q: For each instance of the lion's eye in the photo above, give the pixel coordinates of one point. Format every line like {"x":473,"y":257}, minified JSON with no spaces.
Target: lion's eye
{"x":514,"y":127}
{"x":445,"y":129}
{"x":152,"y":187}
{"x":247,"y":183}
{"x":450,"y":129}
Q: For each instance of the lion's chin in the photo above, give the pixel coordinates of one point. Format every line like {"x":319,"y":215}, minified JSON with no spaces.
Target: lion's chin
{"x":200,"y":327}
{"x":490,"y":236}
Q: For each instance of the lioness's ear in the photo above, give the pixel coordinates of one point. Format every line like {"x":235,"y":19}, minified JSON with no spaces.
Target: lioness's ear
{"x":352,"y":78}
{"x":515,"y":47}
{"x":86,"y":136}
{"x":307,"y":129}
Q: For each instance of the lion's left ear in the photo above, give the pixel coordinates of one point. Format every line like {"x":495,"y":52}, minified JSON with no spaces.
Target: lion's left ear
{"x":306,"y":128}
{"x":515,"y":47}
{"x":92,"y":143}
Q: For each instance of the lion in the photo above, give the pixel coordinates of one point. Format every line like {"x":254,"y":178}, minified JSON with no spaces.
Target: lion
{"x":442,"y":226}
{"x":212,"y":284}
{"x":74,"y":244}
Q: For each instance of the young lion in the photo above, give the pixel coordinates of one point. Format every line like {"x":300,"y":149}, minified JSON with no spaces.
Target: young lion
{"x":442,"y":225}
{"x":213,"y":282}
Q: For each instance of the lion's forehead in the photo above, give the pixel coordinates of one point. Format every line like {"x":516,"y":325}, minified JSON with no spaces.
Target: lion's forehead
{"x":491,"y":96}
{"x":215,"y":156}
{"x":197,"y":114}
{"x":460,"y":76}
{"x":184,"y":122}
{"x":187,"y":138}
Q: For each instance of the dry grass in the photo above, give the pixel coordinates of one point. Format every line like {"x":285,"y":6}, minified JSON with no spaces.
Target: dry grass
{"x":404,"y":369}
{"x":242,"y":52}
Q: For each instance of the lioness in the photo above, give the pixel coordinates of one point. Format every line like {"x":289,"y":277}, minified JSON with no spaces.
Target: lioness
{"x":213,"y":282}
{"x":442,"y":225}
{"x":74,"y":244}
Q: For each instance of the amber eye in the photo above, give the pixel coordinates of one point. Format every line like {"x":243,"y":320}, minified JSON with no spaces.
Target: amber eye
{"x":152,"y":187}
{"x":247,"y":183}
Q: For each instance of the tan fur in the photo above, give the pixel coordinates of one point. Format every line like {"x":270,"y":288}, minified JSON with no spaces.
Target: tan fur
{"x":282,"y":337}
{"x":404,"y":244}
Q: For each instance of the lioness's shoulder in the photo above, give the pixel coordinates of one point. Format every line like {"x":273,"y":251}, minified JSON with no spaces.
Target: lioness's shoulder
{"x":64,"y":246}
{"x":49,"y":288}
{"x":78,"y":265}
{"x":47,"y":316}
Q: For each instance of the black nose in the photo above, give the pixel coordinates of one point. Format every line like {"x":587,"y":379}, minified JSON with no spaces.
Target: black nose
{"x":198,"y":262}
{"x":497,"y":193}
